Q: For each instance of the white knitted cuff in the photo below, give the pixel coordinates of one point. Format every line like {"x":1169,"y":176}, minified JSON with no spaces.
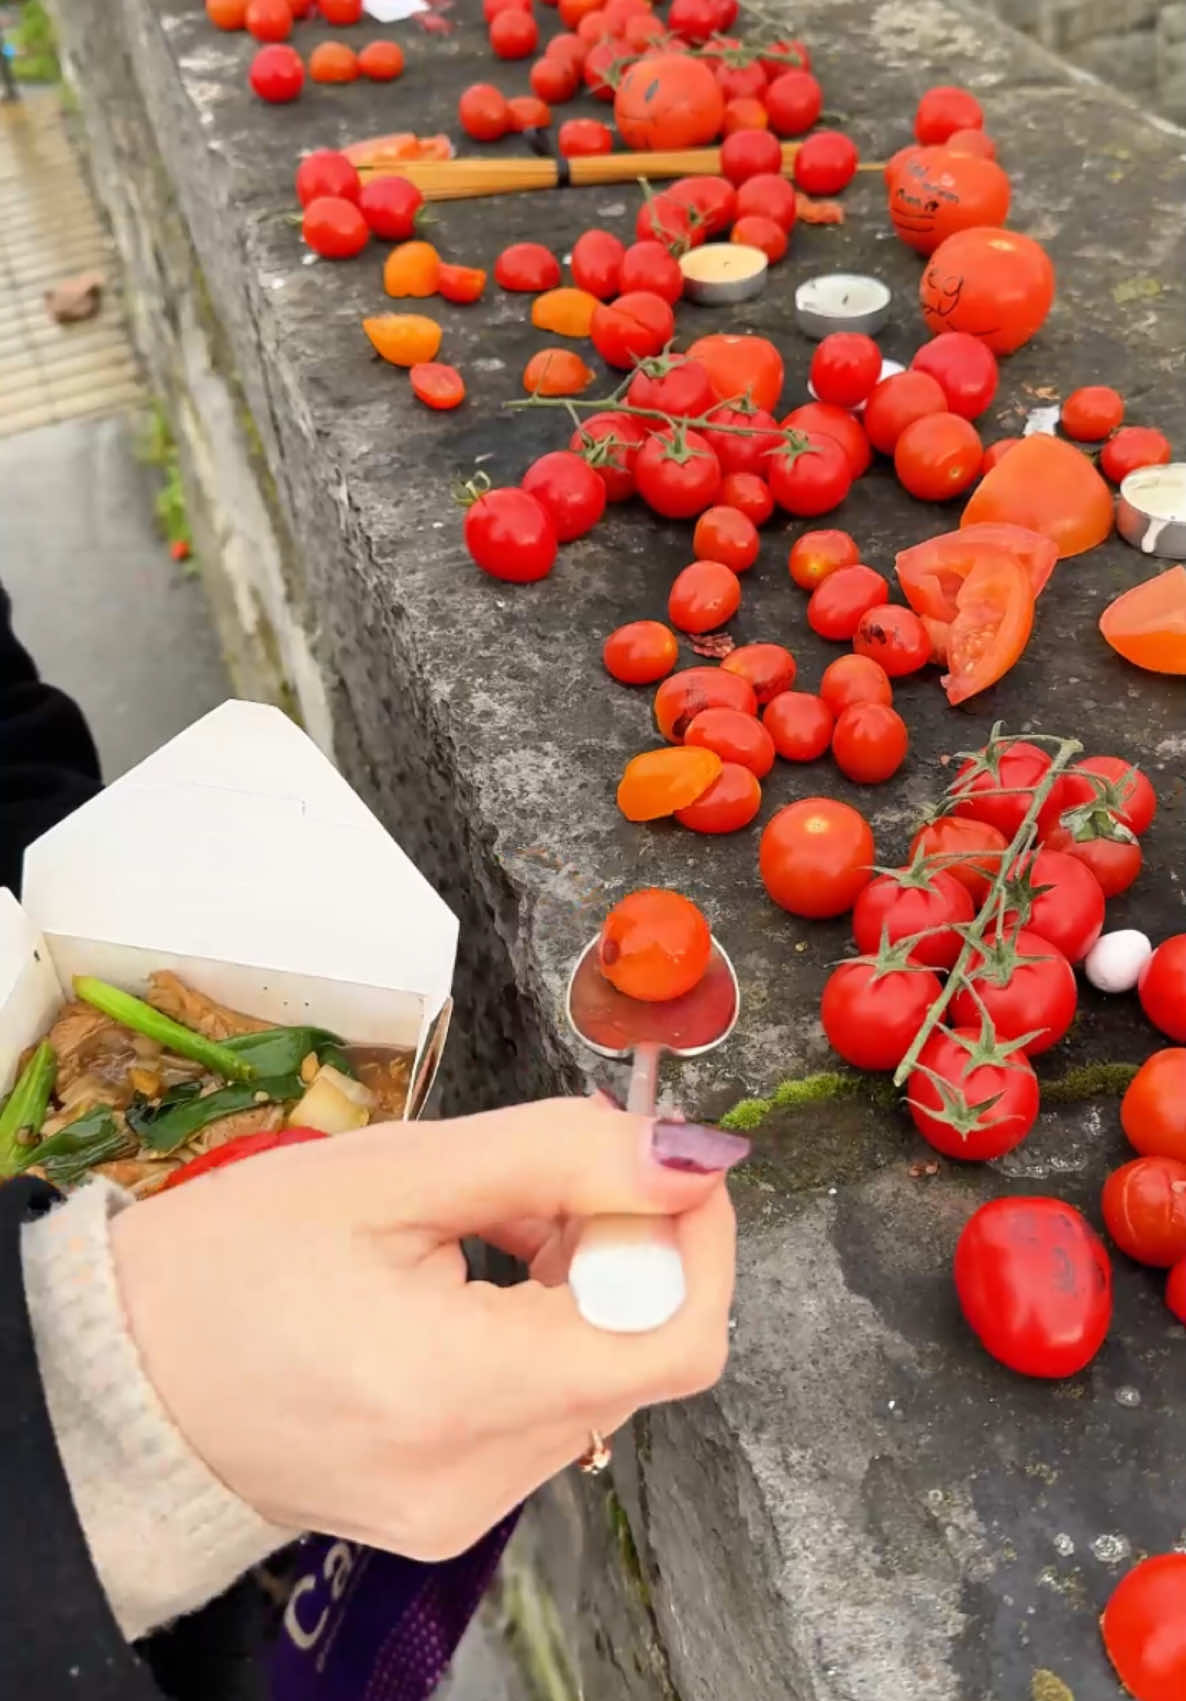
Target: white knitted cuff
{"x":164,"y":1534}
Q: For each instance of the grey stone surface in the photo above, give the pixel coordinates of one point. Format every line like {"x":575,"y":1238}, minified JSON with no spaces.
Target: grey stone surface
{"x":867,"y":1507}
{"x":1123,"y":42}
{"x":105,"y":612}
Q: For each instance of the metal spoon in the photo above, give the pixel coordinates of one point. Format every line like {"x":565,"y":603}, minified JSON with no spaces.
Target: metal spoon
{"x":626,"y":1273}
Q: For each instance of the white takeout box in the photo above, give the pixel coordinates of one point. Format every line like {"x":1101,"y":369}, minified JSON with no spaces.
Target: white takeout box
{"x":237,"y":856}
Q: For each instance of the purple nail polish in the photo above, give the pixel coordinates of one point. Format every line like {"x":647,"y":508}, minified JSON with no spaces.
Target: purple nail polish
{"x":690,"y":1146}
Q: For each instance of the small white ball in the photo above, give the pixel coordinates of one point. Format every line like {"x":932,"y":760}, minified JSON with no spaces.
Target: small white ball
{"x":1115,"y":961}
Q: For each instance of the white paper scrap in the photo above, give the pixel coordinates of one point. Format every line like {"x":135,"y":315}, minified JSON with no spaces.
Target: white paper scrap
{"x":393,"y":11}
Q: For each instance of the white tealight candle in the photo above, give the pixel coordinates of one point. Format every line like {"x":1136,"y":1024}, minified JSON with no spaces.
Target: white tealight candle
{"x":841,"y":301}
{"x":721,"y":273}
{"x":1151,"y":509}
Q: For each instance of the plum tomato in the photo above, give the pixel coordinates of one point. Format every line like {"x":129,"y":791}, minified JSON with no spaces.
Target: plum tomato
{"x":894,"y":637}
{"x":725,"y":534}
{"x":510,"y":535}
{"x":748,"y":492}
{"x":938,"y":456}
{"x":869,"y":742}
{"x":579,"y":137}
{"x":681,"y":698}
{"x":769,"y":668}
{"x":982,"y":1110}
{"x":822,"y":418}
{"x":1114,"y":862}
{"x":555,"y":78}
{"x":268,"y":20}
{"x":729,"y":803}
{"x":528,"y":267}
{"x":277,"y":74}
{"x":742,"y":438}
{"x":826,"y":162}
{"x":1067,"y":908}
{"x":1125,"y":791}
{"x":942,"y":111}
{"x":966,"y":370}
{"x":651,"y":268}
{"x":793,"y":102}
{"x":658,"y":782}
{"x":800,"y":725}
{"x":1144,"y":1210}
{"x":1026,"y":986}
{"x":654,"y":945}
{"x":327,"y":172}
{"x":569,"y":489}
{"x":995,"y":786}
{"x":631,"y":327}
{"x":844,"y":368}
{"x":1144,"y":1628}
{"x":1133,"y":446}
{"x":740,"y":365}
{"x":755,"y":230}
{"x":671,"y":384}
{"x":816,"y":856}
{"x":896,"y":403}
{"x":809,"y":476}
{"x":703,"y":597}
{"x":1162,"y":988}
{"x":437,"y":385}
{"x":1153,"y":1110}
{"x":381,"y":61}
{"x":736,"y":737}
{"x":596,"y":263}
{"x":390,"y":206}
{"x":770,"y":195}
{"x":871,"y":1014}
{"x":970,"y":851}
{"x":482,"y":112}
{"x":514,"y":33}
{"x":1092,"y":413}
{"x":835,"y":606}
{"x":640,"y":653}
{"x":677,"y":473}
{"x":333,"y":62}
{"x":334,"y":228}
{"x":927,"y":902}
{"x":1034,"y":1282}
{"x":746,"y":153}
{"x":610,"y":443}
{"x":854,"y":679}
{"x":816,"y":554}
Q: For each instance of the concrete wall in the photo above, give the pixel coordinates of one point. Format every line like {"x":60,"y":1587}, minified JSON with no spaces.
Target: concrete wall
{"x":1139,"y":45}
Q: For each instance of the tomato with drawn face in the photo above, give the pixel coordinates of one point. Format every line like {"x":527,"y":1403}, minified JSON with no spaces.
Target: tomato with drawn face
{"x":935,"y":193}
{"x":996,"y":284}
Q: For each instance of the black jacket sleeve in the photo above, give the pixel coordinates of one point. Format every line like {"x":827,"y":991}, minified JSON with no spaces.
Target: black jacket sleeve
{"x":58,"y":1639}
{"x":48,"y":764}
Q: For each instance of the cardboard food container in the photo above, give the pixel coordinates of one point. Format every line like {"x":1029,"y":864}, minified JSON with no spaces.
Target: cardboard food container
{"x":238,"y":857}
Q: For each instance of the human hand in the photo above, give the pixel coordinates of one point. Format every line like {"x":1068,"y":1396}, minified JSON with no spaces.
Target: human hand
{"x":306,"y":1319}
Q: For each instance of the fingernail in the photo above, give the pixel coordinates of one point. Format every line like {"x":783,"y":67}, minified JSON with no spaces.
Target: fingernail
{"x":690,"y":1146}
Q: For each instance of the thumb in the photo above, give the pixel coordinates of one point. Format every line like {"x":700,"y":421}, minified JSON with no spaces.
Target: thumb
{"x":554,"y":1158}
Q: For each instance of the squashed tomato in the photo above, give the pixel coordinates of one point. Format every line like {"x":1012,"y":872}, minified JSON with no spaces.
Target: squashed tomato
{"x":993,"y":621}
{"x":654,"y":945}
{"x":1007,"y":1092}
{"x":800,"y":725}
{"x":1162,"y":988}
{"x":816,"y":554}
{"x":1144,"y":1209}
{"x":1147,"y":624}
{"x":641,"y":652}
{"x":658,"y":782}
{"x":736,"y":737}
{"x":1047,"y":486}
{"x":871,"y":1015}
{"x":932,"y":573}
{"x":929,"y":902}
{"x":816,"y":856}
{"x":1153,"y":1110}
{"x":730,"y":802}
{"x":1035,"y":1284}
{"x":682,"y":697}
{"x":610,"y":443}
{"x":869,"y":742}
{"x":741,"y":366}
{"x":770,"y":668}
{"x":677,"y":473}
{"x":1027,"y":987}
{"x":969,"y":850}
{"x":835,"y":606}
{"x":1144,"y":1629}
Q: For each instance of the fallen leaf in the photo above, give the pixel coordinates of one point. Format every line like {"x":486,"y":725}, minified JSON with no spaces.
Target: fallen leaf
{"x":817,"y":212}
{"x":718,"y":644}
{"x":76,"y":298}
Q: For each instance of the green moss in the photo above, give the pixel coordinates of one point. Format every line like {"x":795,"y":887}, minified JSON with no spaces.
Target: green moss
{"x":1089,"y":1081}
{"x":623,"y":1535}
{"x":535,"y":1633}
{"x":35,"y":46}
{"x":158,"y":448}
{"x":824,"y":1088}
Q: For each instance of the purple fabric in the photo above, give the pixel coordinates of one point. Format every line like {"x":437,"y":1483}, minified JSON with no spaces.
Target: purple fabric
{"x":368,"y":1626}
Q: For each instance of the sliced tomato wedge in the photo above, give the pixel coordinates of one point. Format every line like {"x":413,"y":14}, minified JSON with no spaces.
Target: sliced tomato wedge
{"x":993,"y":621}
{"x":380,"y":152}
{"x":932,"y":573}
{"x":1046,"y":485}
{"x":1147,"y":624}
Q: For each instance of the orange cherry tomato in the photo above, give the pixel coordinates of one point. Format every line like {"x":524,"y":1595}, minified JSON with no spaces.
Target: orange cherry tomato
{"x":641,"y":652}
{"x":703,"y":597}
{"x":746,"y":112}
{"x":556,"y":372}
{"x":564,"y":312}
{"x":437,"y":385}
{"x":769,"y":668}
{"x":730,"y":803}
{"x":1147,"y":624}
{"x":736,"y":737}
{"x":333,"y":62}
{"x":739,"y":366}
{"x":1153,"y":1110}
{"x":996,"y":284}
{"x":855,"y":679}
{"x":684,"y":694}
{"x":658,"y":782}
{"x":816,"y":857}
{"x":993,"y":620}
{"x":227,"y":14}
{"x":816,"y":554}
{"x":1047,"y":486}
{"x":726,"y":534}
{"x":931,"y":573}
{"x":460,"y":283}
{"x":382,"y":61}
{"x":414,"y":268}
{"x":669,"y":101}
{"x":969,"y":850}
{"x":937,"y":192}
{"x":1144,"y":1629}
{"x":654,"y":945}
{"x":405,"y":339}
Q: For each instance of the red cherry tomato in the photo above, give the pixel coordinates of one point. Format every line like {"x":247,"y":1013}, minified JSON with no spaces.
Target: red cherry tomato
{"x":826,"y":162}
{"x":809,"y":477}
{"x":568,"y":488}
{"x":938,"y":456}
{"x":944,"y":110}
{"x":327,"y":172}
{"x":730,"y":803}
{"x":965,"y":368}
{"x":1068,"y":910}
{"x":276,"y":74}
{"x":724,"y":534}
{"x":334,"y":228}
{"x":510,"y":535}
{"x":1037,"y":995}
{"x":854,"y":679}
{"x":704,"y":596}
{"x":1133,"y":446}
{"x":390,"y":206}
{"x":871,"y":1017}
{"x":844,"y":368}
{"x":931,"y":903}
{"x":514,"y":33}
{"x":896,"y":403}
{"x":997,"y":452}
{"x":1153,"y":1110}
{"x":816,"y":856}
{"x":1007,"y":1091}
{"x":736,"y":737}
{"x":823,"y":420}
{"x":1138,"y":800}
{"x":837,"y":603}
{"x":437,"y":385}
{"x":665,"y":219}
{"x":800,"y":725}
{"x":1091,"y":414}
{"x":770,"y":195}
{"x":631,"y":327}
{"x":640,"y":653}
{"x":794,"y":102}
{"x":555,"y":78}
{"x":610,"y":443}
{"x":483,"y":112}
{"x":1162,"y":987}
{"x":711,"y":202}
{"x":1035,"y":1284}
{"x":742,"y":438}
{"x":769,"y":668}
{"x":814,"y":555}
{"x":671,"y":384}
{"x":1144,"y":1629}
{"x":654,"y":945}
{"x":650,"y":267}
{"x":747,"y":152}
{"x":579,"y":137}
{"x":596,"y":263}
{"x":755,"y":230}
{"x":681,"y":697}
{"x":1144,"y":1207}
{"x":528,"y":267}
{"x":869,"y":742}
{"x":748,"y":493}
{"x":677,"y":473}
{"x":1114,"y":862}
{"x":269,"y":20}
{"x":894,"y":637}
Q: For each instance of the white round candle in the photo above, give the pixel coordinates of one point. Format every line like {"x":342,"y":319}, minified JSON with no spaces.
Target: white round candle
{"x":1151,"y":509}
{"x":841,"y":301}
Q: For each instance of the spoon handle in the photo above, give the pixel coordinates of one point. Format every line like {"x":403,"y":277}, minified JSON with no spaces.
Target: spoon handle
{"x":626,"y":1273}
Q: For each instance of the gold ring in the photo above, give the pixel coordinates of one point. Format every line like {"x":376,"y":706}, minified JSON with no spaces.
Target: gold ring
{"x":597,"y":1454}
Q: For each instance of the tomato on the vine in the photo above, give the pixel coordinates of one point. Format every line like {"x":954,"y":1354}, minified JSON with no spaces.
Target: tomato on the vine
{"x":742,"y":437}
{"x":854,"y":679}
{"x":631,"y":327}
{"x":567,"y":486}
{"x":826,"y":162}
{"x":610,"y":443}
{"x":794,"y":101}
{"x":800,"y":725}
{"x":769,"y":668}
{"x":1035,"y":1284}
{"x":640,"y":653}
{"x":710,"y":201}
{"x":1025,"y":984}
{"x":894,"y":637}
{"x":983,"y":1109}
{"x":966,"y":370}
{"x":729,"y":803}
{"x":1144,"y":1627}
{"x":1136,"y":800}
{"x":664,"y":219}
{"x":837,"y":603}
{"x":809,"y":476}
{"x":725,"y":534}
{"x":1162,"y":988}
{"x":929,"y":902}
{"x":510,"y":535}
{"x":970,"y":851}
{"x":823,"y":419}
{"x":1144,"y":1209}
{"x":869,"y":742}
{"x":814,"y":555}
{"x":1153,"y":1109}
{"x":704,"y":596}
{"x":896,"y":403}
{"x":844,"y":368}
{"x":1068,"y":908}
{"x":871,"y":1014}
{"x":1092,"y":413}
{"x":681,"y":698}
{"x":816,"y":855}
{"x":327,"y":172}
{"x":1134,"y":446}
{"x":654,"y":945}
{"x":671,"y":384}
{"x":677,"y":473}
{"x":333,"y":227}
{"x":736,"y":737}
{"x":749,"y":493}
{"x":1114,"y":862}
{"x":996,"y":786}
